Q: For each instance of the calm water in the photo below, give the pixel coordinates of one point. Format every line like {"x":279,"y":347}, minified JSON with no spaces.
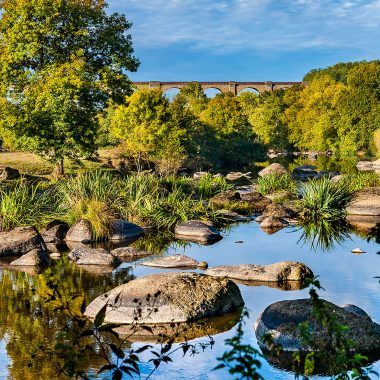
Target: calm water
{"x":347,"y":278}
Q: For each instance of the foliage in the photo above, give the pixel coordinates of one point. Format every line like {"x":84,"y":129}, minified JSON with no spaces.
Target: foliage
{"x":55,"y":77}
{"x":323,"y":199}
{"x":208,"y":185}
{"x":23,"y":205}
{"x":361,"y":180}
{"x":274,"y":183}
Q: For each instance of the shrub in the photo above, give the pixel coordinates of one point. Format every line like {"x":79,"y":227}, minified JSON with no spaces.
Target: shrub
{"x":274,"y":183}
{"x":323,"y":199}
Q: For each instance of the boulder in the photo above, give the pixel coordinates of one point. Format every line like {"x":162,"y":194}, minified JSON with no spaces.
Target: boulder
{"x":365,"y":203}
{"x":256,"y":200}
{"x":232,"y":216}
{"x":195,"y":230}
{"x":34,"y":258}
{"x":226,"y":197}
{"x":278,"y":272}
{"x":55,"y":230}
{"x":124,"y":230}
{"x":174,"y":261}
{"x":93,"y":256}
{"x":278,"y":211}
{"x":273,"y":222}
{"x":130,"y":253}
{"x":281,"y":320}
{"x":7,"y":173}
{"x":274,"y":168}
{"x":167,"y":298}
{"x":81,"y":231}
{"x":20,"y":240}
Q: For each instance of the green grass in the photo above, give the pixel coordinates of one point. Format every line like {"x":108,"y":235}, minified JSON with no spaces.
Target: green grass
{"x":323,"y":199}
{"x":207,"y":186}
{"x":273,"y":183}
{"x":360,"y":180}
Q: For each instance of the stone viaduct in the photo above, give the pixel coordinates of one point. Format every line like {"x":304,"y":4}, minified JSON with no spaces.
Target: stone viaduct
{"x":234,"y":87}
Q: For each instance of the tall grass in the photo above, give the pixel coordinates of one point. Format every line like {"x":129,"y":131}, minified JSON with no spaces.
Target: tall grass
{"x":207,"y":186}
{"x":323,"y":199}
{"x":360,"y":180}
{"x":24,"y":204}
{"x":273,"y":183}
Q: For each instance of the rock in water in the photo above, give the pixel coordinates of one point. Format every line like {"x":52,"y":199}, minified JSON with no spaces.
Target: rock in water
{"x":81,"y":231}
{"x":277,"y":272}
{"x":93,"y":256}
{"x":273,"y":222}
{"x":273,"y":169}
{"x":281,"y":320}
{"x":34,"y":258}
{"x":365,"y":203}
{"x":130,"y":253}
{"x":177,"y":297}
{"x":20,"y":240}
{"x":124,"y":230}
{"x":174,"y":261}
{"x":195,"y":230}
{"x":55,"y":230}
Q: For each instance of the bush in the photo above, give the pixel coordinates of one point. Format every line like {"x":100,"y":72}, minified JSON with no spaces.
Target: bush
{"x":323,"y":199}
{"x":274,"y":183}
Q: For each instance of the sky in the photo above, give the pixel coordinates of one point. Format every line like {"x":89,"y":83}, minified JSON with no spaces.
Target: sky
{"x":248,"y":40}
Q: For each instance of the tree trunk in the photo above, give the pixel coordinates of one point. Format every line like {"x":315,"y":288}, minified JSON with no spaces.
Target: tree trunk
{"x":58,"y":170}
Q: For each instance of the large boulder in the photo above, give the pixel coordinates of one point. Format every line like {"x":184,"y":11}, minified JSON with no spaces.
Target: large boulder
{"x":124,"y":230}
{"x":34,"y":258}
{"x":174,"y":261}
{"x":81,"y":231}
{"x":20,"y":240}
{"x":274,"y":168}
{"x":273,"y":222}
{"x":166,"y":298}
{"x":365,"y":203}
{"x":197,"y":231}
{"x":130,"y":253}
{"x":7,"y":173}
{"x":256,"y":200}
{"x":278,"y":272}
{"x":93,"y":256}
{"x":55,"y":230}
{"x":278,"y":211}
{"x":281,"y":321}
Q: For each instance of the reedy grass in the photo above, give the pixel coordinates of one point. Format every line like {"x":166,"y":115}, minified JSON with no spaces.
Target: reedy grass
{"x":207,"y":186}
{"x":23,"y":205}
{"x":360,"y":180}
{"x":323,"y":199}
{"x":273,"y":183}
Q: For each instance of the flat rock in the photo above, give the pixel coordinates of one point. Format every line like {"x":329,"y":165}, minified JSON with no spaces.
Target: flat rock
{"x":34,"y":258}
{"x":93,"y":256}
{"x":177,"y":297}
{"x":226,"y":197}
{"x":81,"y":231}
{"x":364,"y":204}
{"x":278,"y":272}
{"x":20,"y":240}
{"x":273,"y":169}
{"x":281,"y":320}
{"x":130,"y":253}
{"x":124,"y":230}
{"x":273,"y":222}
{"x":195,"y":230}
{"x":174,"y":261}
{"x":232,"y":216}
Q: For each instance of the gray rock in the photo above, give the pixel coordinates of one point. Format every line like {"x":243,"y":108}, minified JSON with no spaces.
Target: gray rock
{"x":356,"y":310}
{"x":55,"y":230}
{"x":232,"y":216}
{"x":273,"y":169}
{"x":93,"y":256}
{"x":281,"y":320}
{"x":20,"y":240}
{"x":239,"y":178}
{"x":124,"y":230}
{"x":273,"y":222}
{"x":174,"y":261}
{"x":81,"y":231}
{"x":7,"y":173}
{"x":177,"y":297}
{"x":365,"y":203}
{"x":34,"y":258}
{"x":130,"y":253}
{"x":278,"y":211}
{"x":278,"y":272}
{"x":195,"y":230}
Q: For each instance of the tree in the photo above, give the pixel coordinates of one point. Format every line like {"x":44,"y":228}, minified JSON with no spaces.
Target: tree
{"x":61,"y":62}
{"x":193,"y":98}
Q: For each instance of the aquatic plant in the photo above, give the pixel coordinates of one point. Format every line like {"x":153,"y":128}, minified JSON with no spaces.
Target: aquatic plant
{"x":323,"y":199}
{"x":275,"y":183}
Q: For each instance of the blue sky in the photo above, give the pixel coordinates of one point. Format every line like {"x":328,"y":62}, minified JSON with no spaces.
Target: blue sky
{"x":248,"y":40}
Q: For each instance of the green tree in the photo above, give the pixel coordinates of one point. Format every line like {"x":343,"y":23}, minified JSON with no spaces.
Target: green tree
{"x":61,"y":62}
{"x":193,"y":98}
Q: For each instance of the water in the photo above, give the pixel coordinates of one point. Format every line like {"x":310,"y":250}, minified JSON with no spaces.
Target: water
{"x":347,"y":278}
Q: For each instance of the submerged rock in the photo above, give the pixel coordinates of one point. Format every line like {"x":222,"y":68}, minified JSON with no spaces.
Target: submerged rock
{"x":195,"y":230}
{"x":167,"y":298}
{"x":93,"y":256}
{"x":174,"y":261}
{"x":130,"y":253}
{"x":278,"y":272}
{"x":81,"y":231}
{"x":281,"y":320}
{"x":20,"y":240}
{"x":34,"y":258}
{"x":273,"y":169}
{"x":124,"y":230}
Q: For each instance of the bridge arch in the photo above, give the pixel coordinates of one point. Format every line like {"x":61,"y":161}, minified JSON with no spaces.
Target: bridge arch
{"x":171,"y":93}
{"x":211,"y":92}
{"x":249,"y":89}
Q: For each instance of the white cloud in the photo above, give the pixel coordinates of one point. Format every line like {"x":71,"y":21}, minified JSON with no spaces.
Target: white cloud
{"x":261,"y":25}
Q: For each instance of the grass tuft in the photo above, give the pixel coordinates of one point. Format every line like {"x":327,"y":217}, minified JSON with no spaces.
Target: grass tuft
{"x":273,"y":183}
